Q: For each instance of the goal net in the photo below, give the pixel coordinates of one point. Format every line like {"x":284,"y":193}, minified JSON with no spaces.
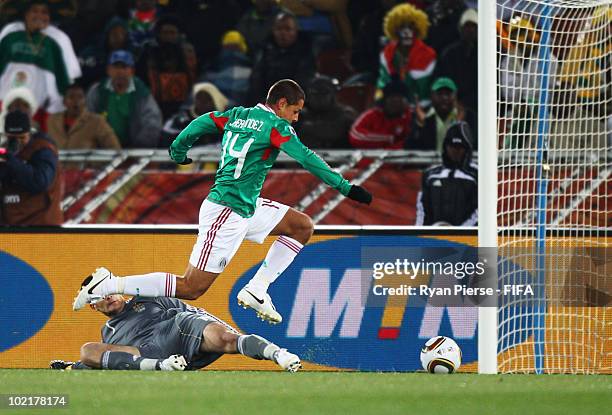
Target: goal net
{"x":554,"y":185}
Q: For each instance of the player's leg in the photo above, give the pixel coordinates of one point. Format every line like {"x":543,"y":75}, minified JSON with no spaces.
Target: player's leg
{"x":295,"y":225}
{"x":91,"y":353}
{"x":217,"y":338}
{"x":216,"y":245}
{"x":194,"y":283}
{"x":220,"y":233}
{"x":189,"y":286}
{"x":295,"y":229}
{"x":116,"y":357}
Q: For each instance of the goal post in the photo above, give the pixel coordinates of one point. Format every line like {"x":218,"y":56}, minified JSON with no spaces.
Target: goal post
{"x":545,"y":183}
{"x":487,"y":172}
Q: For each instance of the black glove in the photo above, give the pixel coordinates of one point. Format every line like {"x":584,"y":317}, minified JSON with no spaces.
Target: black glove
{"x":60,"y":364}
{"x":184,"y":162}
{"x":360,"y":194}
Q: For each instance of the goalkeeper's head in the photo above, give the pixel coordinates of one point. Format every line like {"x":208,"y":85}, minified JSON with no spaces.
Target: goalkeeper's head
{"x":110,"y":306}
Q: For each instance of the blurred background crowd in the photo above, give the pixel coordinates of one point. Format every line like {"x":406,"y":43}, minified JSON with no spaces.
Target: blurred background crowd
{"x":378,"y":74}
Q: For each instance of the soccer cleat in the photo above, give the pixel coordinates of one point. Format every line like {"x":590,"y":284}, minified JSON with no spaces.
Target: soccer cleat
{"x":174,"y":362}
{"x":60,"y":365}
{"x":261,"y":303}
{"x":88,"y":292}
{"x":288,"y":361}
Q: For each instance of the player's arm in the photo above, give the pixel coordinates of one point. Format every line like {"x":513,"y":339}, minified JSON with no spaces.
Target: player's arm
{"x":208,"y":123}
{"x":290,"y":144}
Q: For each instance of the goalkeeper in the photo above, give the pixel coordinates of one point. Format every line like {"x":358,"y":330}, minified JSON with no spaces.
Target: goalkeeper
{"x":167,"y":334}
{"x":233,"y":210}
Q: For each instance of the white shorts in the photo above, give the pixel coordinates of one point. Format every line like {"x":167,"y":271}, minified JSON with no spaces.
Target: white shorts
{"x":221,"y":231}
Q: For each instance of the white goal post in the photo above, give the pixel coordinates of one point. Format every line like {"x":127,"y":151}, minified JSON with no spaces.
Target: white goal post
{"x":545,"y":183}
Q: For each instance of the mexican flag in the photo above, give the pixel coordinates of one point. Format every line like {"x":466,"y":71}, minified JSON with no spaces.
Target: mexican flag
{"x":45,"y":62}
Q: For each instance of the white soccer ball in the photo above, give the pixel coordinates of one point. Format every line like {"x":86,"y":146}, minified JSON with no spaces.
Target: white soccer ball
{"x":441,"y":355}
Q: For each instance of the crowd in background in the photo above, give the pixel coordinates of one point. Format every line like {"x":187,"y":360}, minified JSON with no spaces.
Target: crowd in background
{"x":378,"y":74}
{"x":131,"y":74}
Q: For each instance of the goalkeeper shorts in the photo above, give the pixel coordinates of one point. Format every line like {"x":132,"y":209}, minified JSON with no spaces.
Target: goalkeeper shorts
{"x":182,"y":334}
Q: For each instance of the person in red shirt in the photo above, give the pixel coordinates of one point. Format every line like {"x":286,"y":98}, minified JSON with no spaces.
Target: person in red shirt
{"x":386,"y":125}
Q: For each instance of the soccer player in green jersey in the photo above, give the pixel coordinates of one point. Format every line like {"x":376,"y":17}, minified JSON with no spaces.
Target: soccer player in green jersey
{"x":233,"y":210}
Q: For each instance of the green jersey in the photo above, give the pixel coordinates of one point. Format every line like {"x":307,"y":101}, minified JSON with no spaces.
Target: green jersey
{"x":252,"y":139}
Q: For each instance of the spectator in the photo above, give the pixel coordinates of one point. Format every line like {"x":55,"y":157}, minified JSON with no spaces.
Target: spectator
{"x":587,"y":65}
{"x":142,"y":22}
{"x":449,"y":192}
{"x":232,"y":69}
{"x":431,"y":126}
{"x":205,"y":22}
{"x":206,"y":98}
{"x":444,"y":16}
{"x":91,"y":19}
{"x":256,"y":24}
{"x":573,"y":126}
{"x":520,"y":76}
{"x":406,"y":56}
{"x":94,"y":58}
{"x":77,"y":128}
{"x":386,"y":125}
{"x":165,"y":68}
{"x":62,"y":11}
{"x":369,"y":40}
{"x":459,"y":61}
{"x":21,"y":99}
{"x":38,"y":55}
{"x":30,"y":176}
{"x":507,"y":9}
{"x":325,"y":21}
{"x":127,"y":104}
{"x":287,"y":54}
{"x":324,"y":123}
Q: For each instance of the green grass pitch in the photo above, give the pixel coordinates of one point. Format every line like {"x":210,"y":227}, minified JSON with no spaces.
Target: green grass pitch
{"x":250,"y":393}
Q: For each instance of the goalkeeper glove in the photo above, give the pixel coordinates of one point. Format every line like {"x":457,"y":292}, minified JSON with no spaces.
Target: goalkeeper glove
{"x":60,"y":365}
{"x":185,"y":160}
{"x":360,"y":194}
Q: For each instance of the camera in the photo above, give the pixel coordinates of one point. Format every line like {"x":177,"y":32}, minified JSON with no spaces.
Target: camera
{"x":9,"y":145}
